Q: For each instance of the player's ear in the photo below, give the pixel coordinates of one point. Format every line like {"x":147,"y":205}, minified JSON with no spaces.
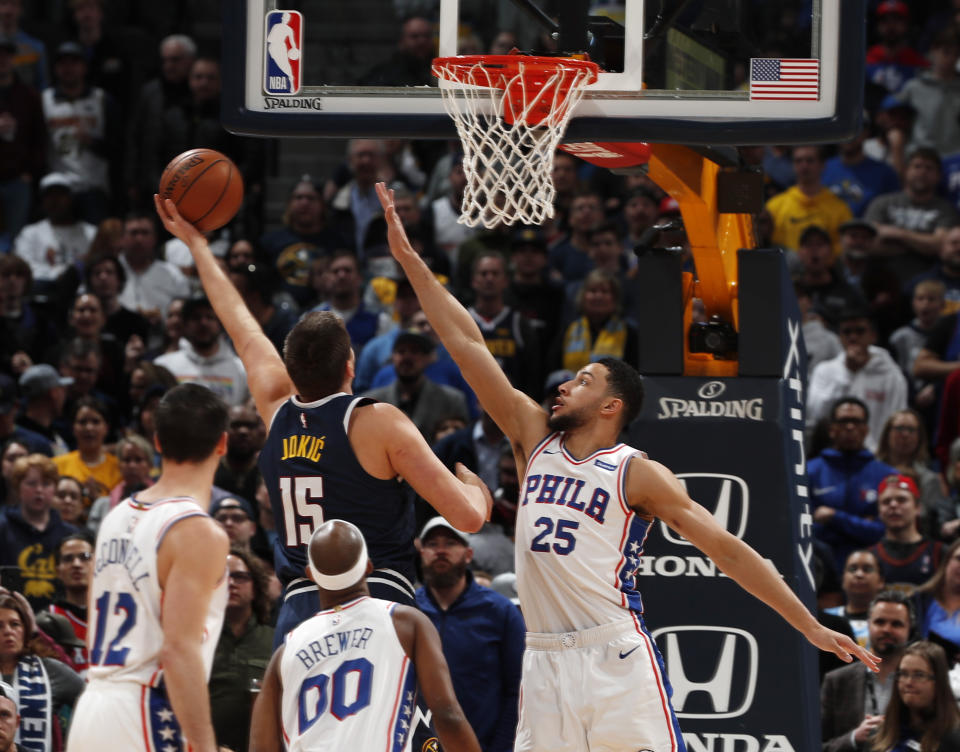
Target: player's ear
{"x":611,"y":406}
{"x":221,"y":445}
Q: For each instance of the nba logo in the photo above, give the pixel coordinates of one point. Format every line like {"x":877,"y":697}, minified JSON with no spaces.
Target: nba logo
{"x":283,"y":47}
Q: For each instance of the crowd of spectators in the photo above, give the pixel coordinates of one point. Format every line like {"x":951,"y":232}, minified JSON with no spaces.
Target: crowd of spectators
{"x":101,"y":314}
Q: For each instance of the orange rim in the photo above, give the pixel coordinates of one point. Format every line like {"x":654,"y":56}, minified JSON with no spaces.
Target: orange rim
{"x":533,"y":67}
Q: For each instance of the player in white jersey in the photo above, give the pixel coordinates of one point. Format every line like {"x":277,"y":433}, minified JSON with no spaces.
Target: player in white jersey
{"x":586,"y":503}
{"x":347,"y":677}
{"x":158,"y":595}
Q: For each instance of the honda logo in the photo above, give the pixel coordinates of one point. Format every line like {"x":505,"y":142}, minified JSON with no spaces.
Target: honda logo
{"x":711,"y":389}
{"x":728,"y":495}
{"x":713,"y":670}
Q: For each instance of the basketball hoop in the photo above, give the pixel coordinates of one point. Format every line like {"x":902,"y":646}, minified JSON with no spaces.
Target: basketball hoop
{"x":510,"y":112}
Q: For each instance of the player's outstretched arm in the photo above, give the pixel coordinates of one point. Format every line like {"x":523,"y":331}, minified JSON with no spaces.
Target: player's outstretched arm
{"x":266,"y":375}
{"x":266,"y":726}
{"x":191,"y":561}
{"x":655,"y":490}
{"x":421,"y":642}
{"x":463,"y":499}
{"x":521,"y":419}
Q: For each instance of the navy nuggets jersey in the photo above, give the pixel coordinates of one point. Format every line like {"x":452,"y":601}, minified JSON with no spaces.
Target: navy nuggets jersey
{"x":312,"y":475}
{"x":578,"y":544}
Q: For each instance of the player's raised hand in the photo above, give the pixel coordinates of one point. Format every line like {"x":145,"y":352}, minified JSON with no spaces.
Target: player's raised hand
{"x":176,"y":225}
{"x":843,"y":647}
{"x":467,"y":476}
{"x":396,"y":235}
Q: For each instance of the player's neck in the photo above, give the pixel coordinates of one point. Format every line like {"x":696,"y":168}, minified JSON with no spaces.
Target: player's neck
{"x":330,"y":599}
{"x":584,"y":441}
{"x":192,"y":479}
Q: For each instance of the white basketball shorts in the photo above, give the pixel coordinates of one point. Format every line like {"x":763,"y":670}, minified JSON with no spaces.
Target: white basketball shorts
{"x":124,"y":717}
{"x":599,"y":690}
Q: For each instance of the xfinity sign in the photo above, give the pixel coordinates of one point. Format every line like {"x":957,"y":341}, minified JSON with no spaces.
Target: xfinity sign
{"x":713,"y":670}
{"x":727,"y":497}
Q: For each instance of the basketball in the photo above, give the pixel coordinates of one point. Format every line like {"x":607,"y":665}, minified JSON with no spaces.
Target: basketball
{"x":206,"y":187}
{"x":294,"y":53}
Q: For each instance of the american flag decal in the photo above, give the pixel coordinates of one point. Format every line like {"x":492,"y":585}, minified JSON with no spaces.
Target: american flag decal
{"x":772,"y":78}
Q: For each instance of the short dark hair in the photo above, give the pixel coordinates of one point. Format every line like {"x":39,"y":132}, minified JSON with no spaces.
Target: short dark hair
{"x":849,"y":400}
{"x":315,"y":353}
{"x":625,"y":383}
{"x":898,"y":597}
{"x":138,"y":214}
{"x":190,"y":420}
{"x":81,"y":535}
{"x":604,"y":228}
{"x":927,"y":153}
{"x":104,"y":258}
{"x":92,"y":403}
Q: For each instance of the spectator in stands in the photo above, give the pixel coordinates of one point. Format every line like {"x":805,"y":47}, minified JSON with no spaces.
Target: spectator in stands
{"x":922,"y":712}
{"x":599,"y":330}
{"x":304,"y":238}
{"x":170,"y":89}
{"x":478,"y":446}
{"x":22,"y":139}
{"x":31,"y":53}
{"x":862,"y":580}
{"x":911,"y":224}
{"x":135,"y":459}
{"x":420,"y":398}
{"x":91,"y":463}
{"x":892,"y":61}
{"x":569,"y":258}
{"x":935,"y":95}
{"x":238,"y":472}
{"x":235,"y":515}
{"x":903,"y":445}
{"x":377,"y":352}
{"x":821,"y":342}
{"x":86,"y":322}
{"x":69,"y":501}
{"x":26,"y":329}
{"x":204,"y":357}
{"x":853,"y":699}
{"x":74,"y":559}
{"x":532,"y":292}
{"x":9,"y":430}
{"x":151,"y":283}
{"x":511,"y":339}
{"x":862,"y":370}
{"x":444,"y":211}
{"x":13,"y":449}
{"x":947,"y":271}
{"x":939,"y":604}
{"x":843,"y":483}
{"x":9,"y":719}
{"x":807,"y":203}
{"x":44,"y":395}
{"x":940,"y":355}
{"x":410,"y":64}
{"x":493,"y":548}
{"x":35,"y":525}
{"x":907,"y":341}
{"x":44,"y":685}
{"x":908,"y":557}
{"x":243,"y":649}
{"x":255,"y":283}
{"x":59,"y":240}
{"x":346,"y":285}
{"x":855,"y":177}
{"x":830,"y":294}
{"x":85,"y":133}
{"x":105,"y":277}
{"x":893,"y":126}
{"x":641,"y":210}
{"x":356,"y":204}
{"x":566,"y":183}
{"x":480,"y":632}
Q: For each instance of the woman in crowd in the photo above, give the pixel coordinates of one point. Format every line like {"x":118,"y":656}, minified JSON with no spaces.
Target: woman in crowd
{"x":599,"y":331}
{"x":922,"y":713}
{"x":862,"y":580}
{"x":135,"y":456}
{"x":68,"y":500}
{"x":44,"y":684}
{"x":948,"y":511}
{"x":12,"y":451}
{"x":939,"y":610}
{"x":903,"y":444}
{"x":90,"y":462}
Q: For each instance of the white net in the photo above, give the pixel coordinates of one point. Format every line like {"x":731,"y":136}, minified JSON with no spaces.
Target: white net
{"x":510,"y":123}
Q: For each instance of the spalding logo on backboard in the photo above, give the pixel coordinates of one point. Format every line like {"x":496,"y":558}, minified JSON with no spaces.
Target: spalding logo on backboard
{"x":282,"y":52}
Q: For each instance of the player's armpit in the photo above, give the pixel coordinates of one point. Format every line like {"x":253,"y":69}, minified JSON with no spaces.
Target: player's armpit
{"x":266,"y":726}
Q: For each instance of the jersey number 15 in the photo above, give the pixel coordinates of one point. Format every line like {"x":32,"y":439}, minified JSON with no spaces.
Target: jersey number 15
{"x":301,"y":497}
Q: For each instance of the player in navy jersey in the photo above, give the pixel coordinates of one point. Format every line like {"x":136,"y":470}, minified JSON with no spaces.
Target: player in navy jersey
{"x":585,"y":505}
{"x":329,"y":454}
{"x":347,"y":677}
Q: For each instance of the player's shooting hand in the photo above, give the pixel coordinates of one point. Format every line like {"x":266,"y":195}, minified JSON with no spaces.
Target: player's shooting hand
{"x":842,"y":646}
{"x":176,"y":225}
{"x":396,"y":235}
{"x":465,"y":475}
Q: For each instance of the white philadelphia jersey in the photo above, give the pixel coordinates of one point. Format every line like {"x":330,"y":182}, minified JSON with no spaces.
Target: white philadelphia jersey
{"x":578,"y":544}
{"x":125,"y":633}
{"x":347,"y":682}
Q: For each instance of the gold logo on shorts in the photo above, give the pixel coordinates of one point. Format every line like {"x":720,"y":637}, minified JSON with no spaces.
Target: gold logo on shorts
{"x":431,"y":745}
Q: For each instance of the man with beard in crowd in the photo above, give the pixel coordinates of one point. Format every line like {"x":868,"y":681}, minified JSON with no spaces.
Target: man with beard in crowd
{"x":238,"y":472}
